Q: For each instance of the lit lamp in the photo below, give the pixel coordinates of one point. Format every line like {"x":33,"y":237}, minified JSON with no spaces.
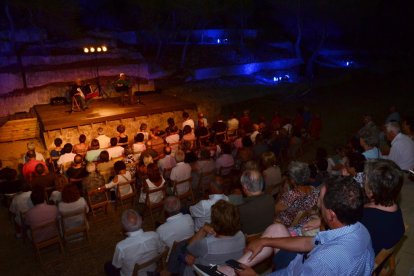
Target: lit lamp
{"x":95,"y":50}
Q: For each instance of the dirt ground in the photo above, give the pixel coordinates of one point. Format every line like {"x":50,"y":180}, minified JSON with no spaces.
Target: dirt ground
{"x":341,"y":101}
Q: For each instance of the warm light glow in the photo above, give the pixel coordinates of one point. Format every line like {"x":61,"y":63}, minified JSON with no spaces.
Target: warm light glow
{"x":92,"y":49}
{"x":104,"y":49}
{"x":85,"y":50}
{"x":98,"y":49}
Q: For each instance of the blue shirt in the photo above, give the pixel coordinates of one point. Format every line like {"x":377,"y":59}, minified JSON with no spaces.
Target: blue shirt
{"x":343,"y":251}
{"x":373,"y":153}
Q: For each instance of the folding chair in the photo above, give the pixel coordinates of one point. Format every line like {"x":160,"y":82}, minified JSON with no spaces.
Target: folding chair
{"x":187,"y":194}
{"x":159,"y":261}
{"x":75,"y":105}
{"x":98,"y":200}
{"x":75,"y":226}
{"x":150,"y":206}
{"x":122,"y":193}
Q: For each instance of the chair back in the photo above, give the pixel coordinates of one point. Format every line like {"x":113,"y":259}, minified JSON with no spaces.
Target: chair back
{"x":45,"y":235}
{"x":74,"y":223}
{"x":149,"y":205}
{"x":107,"y":174}
{"x":385,"y":263}
{"x":98,"y":199}
{"x":159,"y":260}
{"x":126,"y":191}
{"x":181,"y":192}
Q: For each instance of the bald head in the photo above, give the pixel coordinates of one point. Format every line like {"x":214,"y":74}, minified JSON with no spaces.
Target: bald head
{"x":131,"y":220}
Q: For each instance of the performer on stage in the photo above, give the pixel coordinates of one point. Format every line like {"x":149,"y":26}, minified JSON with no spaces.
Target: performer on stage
{"x":123,"y":85}
{"x":78,"y":93}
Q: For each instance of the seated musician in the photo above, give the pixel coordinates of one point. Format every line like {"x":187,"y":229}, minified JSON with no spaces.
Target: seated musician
{"x":78,"y":93}
{"x":122,"y":85}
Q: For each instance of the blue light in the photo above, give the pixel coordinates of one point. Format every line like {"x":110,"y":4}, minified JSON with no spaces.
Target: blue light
{"x":225,"y":40}
{"x":275,"y":79}
{"x":218,"y":41}
{"x":287,"y":77}
{"x":347,"y":63}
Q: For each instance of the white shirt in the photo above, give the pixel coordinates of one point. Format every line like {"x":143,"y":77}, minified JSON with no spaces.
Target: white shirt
{"x":233,"y":124}
{"x":253,"y":136}
{"x":65,"y":158}
{"x":138,"y":247}
{"x":402,"y":151}
{"x":122,"y":178}
{"x":39,"y":157}
{"x":104,"y":141}
{"x":115,"y":152}
{"x":167,"y":162}
{"x":180,"y":172}
{"x":153,"y":197}
{"x":177,"y":228}
{"x":67,"y":208}
{"x":21,"y":203}
{"x":189,"y":122}
{"x":201,"y":212}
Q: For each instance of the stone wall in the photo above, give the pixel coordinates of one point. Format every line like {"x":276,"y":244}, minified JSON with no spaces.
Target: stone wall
{"x":71,"y":135}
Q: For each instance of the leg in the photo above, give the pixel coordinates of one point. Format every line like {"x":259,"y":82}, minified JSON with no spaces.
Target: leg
{"x":275,"y":230}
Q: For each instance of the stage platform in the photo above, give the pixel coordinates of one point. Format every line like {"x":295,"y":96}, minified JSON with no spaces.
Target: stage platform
{"x":102,"y":110}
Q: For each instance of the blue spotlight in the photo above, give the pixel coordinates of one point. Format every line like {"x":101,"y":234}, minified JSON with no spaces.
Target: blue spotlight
{"x":218,"y":41}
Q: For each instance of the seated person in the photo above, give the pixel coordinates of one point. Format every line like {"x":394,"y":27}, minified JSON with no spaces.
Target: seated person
{"x":42,"y":177}
{"x":30,"y":166}
{"x":148,"y":151}
{"x":143,"y":129}
{"x":178,"y":227}
{"x":40,"y":214}
{"x":201,"y":212}
{"x":122,"y":86}
{"x":67,"y":155}
{"x":139,"y":146}
{"x":256,"y":202}
{"x":93,"y":181}
{"x":114,"y":150}
{"x":341,"y":204}
{"x":122,"y":176}
{"x":57,"y":151}
{"x":20,"y":204}
{"x":39,"y":156}
{"x":154,"y":181}
{"x":105,"y":167}
{"x":219,"y":241}
{"x":137,"y":247}
{"x":77,"y":170}
{"x":180,"y":172}
{"x":296,"y":196}
{"x":382,"y":215}
{"x":224,"y":160}
{"x":104,"y":141}
{"x":82,"y":147}
{"x":9,"y":183}
{"x":78,"y":93}
{"x":93,"y":153}
{"x":122,"y":136}
{"x":72,"y":202}
{"x":271,"y":174}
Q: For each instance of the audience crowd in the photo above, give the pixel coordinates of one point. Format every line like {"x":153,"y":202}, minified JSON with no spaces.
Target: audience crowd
{"x":331,"y":216}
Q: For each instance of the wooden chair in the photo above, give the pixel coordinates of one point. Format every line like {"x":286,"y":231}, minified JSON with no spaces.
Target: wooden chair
{"x":54,"y":239}
{"x":151,"y":206}
{"x":98,"y":200}
{"x":159,"y":260}
{"x":385,"y":263}
{"x":75,"y":104}
{"x":188,"y":194}
{"x":166,"y":173}
{"x":79,"y":230}
{"x":125,"y":197}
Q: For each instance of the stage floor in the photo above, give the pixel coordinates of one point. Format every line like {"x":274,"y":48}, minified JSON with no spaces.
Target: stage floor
{"x":58,"y":117}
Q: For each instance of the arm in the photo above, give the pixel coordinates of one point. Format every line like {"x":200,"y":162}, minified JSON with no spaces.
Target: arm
{"x":204,"y":231}
{"x":294,"y":244}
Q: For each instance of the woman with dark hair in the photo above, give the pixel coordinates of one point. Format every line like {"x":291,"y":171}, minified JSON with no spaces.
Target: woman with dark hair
{"x":188,"y":134}
{"x":382,"y":215}
{"x":57,"y":151}
{"x":72,"y":202}
{"x":154,"y":181}
{"x":93,"y":153}
{"x":82,"y":147}
{"x":271,"y":173}
{"x":219,"y":241}
{"x":245,"y":153}
{"x":122,"y":137}
{"x":143,"y":129}
{"x":122,"y":176}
